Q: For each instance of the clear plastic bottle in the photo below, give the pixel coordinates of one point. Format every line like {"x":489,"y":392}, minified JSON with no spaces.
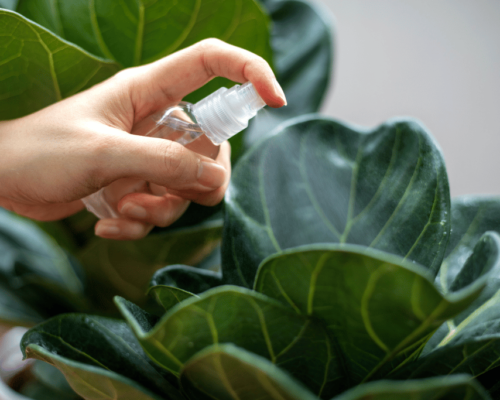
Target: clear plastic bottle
{"x":201,"y":127}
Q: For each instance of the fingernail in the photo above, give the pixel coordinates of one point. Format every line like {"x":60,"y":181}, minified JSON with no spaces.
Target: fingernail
{"x":134,"y":211}
{"x":279,"y":91}
{"x":211,"y":175}
{"x":108,"y":228}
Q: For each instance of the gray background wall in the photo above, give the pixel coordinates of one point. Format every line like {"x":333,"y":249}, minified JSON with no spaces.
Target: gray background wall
{"x":436,"y":60}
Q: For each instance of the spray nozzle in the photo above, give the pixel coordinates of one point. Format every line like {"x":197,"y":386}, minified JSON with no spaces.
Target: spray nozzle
{"x":226,"y":112}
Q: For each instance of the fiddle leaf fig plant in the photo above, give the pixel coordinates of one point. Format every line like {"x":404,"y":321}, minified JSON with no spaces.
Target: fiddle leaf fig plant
{"x":347,"y":273}
{"x":73,"y":45}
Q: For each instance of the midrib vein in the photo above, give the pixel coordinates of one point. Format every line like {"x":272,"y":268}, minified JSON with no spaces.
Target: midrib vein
{"x":57,"y":90}
{"x":97,"y":31}
{"x":235,"y":21}
{"x":140,"y":35}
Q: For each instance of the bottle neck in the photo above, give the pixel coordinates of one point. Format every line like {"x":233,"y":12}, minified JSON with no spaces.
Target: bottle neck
{"x":225,"y":112}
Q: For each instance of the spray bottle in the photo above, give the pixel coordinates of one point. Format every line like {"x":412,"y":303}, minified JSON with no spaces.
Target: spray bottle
{"x":200,"y":127}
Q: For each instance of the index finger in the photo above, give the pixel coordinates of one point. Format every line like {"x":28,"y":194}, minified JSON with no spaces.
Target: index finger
{"x":181,"y":73}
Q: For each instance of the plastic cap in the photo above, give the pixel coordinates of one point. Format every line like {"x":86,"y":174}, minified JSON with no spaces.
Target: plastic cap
{"x":226,"y":112}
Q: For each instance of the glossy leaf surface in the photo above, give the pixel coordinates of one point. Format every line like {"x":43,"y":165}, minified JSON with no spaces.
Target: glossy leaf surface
{"x":319,"y":181}
{"x":471,"y":217}
{"x":442,"y":388}
{"x":247,"y":319}
{"x":102,"y":350}
{"x":376,"y":306}
{"x":302,"y":43}
{"x":469,"y":343}
{"x":228,"y":372}
{"x":38,"y":68}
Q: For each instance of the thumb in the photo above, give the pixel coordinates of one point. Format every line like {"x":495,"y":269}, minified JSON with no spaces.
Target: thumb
{"x":162,"y":162}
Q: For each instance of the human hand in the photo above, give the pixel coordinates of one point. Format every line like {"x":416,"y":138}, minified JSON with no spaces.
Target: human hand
{"x":55,"y":157}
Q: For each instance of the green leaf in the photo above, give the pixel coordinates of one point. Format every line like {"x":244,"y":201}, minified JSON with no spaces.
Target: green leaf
{"x":191,"y":279}
{"x":471,"y":217}
{"x":96,"y":354}
{"x":470,"y":342}
{"x":376,"y":306}
{"x":319,"y":181}
{"x":302,"y":43}
{"x":36,"y":276}
{"x":171,"y":285}
{"x":38,"y":68}
{"x":139,"y":32}
{"x":228,"y":372}
{"x":482,"y":264}
{"x":125,"y":268}
{"x":94,"y":383}
{"x":247,"y":319}
{"x":168,"y":296}
{"x":441,"y":388}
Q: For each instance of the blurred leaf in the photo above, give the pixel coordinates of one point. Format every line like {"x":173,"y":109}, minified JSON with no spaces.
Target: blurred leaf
{"x":38,"y":68}
{"x":441,"y":388}
{"x":36,"y":276}
{"x":9,"y":4}
{"x":302,"y":43}
{"x":16,"y":312}
{"x":97,"y":355}
{"x":319,"y":181}
{"x":125,"y":268}
{"x":377,"y":307}
{"x":228,"y":372}
{"x":247,"y":319}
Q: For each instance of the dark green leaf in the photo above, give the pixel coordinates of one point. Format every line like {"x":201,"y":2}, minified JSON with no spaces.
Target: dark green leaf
{"x":484,"y":264}
{"x":95,"y":353}
{"x":36,"y":276}
{"x":470,"y":342}
{"x":125,"y":267}
{"x":320,"y":181}
{"x":247,"y":319}
{"x":376,"y":306}
{"x":471,"y":217}
{"x":442,"y":388}
{"x":228,"y":372}
{"x":14,"y":311}
{"x":191,"y":279}
{"x":38,"y":68}
{"x":302,"y":43}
